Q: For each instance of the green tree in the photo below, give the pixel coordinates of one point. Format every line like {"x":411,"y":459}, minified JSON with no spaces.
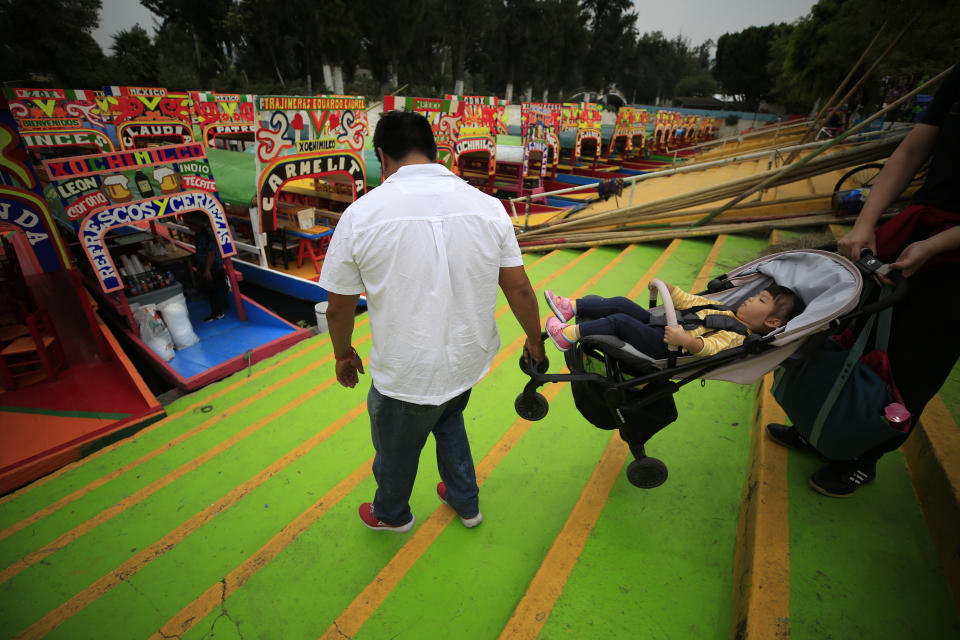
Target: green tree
{"x":564,"y":43}
{"x":399,"y":40}
{"x":809,"y":62}
{"x":134,"y":57}
{"x":51,"y":45}
{"x":204,"y":24}
{"x":741,"y":64}
{"x":699,"y":84}
{"x":175,"y":55}
{"x":612,"y":32}
{"x":508,"y":55}
{"x":657,"y":66}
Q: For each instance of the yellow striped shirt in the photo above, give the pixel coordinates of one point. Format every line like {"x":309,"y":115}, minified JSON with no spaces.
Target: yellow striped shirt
{"x":716,"y":341}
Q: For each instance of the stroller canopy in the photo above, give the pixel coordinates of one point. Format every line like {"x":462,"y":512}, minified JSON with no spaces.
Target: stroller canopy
{"x":829,"y":285}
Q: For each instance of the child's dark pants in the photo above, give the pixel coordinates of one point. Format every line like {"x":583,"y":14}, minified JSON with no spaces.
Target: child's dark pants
{"x":623,"y":318}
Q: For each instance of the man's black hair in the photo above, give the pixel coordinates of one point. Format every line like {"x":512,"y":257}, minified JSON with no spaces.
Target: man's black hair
{"x":400,"y":132}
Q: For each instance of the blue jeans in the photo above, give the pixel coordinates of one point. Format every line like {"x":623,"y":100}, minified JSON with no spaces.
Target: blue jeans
{"x":623,"y":318}
{"x":399,"y":430}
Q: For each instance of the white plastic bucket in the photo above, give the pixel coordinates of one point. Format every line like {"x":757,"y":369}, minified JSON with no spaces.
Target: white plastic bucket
{"x":321,"y":309}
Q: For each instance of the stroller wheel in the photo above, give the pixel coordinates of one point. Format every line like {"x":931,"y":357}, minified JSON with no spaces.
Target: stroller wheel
{"x":647,"y":472}
{"x":533,"y":408}
{"x":542,"y":367}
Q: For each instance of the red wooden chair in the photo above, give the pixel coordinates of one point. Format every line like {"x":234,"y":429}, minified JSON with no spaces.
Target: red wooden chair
{"x":40,"y":351}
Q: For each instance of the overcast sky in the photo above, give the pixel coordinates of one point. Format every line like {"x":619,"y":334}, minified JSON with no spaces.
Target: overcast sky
{"x":695,"y":20}
{"x":700,"y":20}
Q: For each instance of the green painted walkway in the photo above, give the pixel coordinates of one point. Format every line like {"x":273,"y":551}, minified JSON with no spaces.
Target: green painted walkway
{"x":236,"y":515}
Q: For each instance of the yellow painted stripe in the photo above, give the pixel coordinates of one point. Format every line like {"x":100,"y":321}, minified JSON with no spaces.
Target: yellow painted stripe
{"x":704,"y":276}
{"x":359,"y":611}
{"x":220,"y":591}
{"x":761,"y":565}
{"x":130,"y":567}
{"x":933,"y":460}
{"x":641,"y":285}
{"x":157,"y":425}
{"x":79,"y":493}
{"x":127,"y":569}
{"x":534,"y":608}
{"x":127,"y":502}
{"x":363,"y":606}
{"x":216,"y":594}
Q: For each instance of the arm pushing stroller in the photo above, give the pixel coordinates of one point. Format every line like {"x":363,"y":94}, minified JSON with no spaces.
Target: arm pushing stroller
{"x":616,"y":387}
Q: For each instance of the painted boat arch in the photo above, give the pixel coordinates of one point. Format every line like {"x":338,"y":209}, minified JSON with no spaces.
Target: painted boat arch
{"x":346,"y":165}
{"x":223,"y":114}
{"x":22,"y":205}
{"x":301,"y":137}
{"x":145,"y":114}
{"x":94,"y":227}
{"x":97,"y":195}
{"x":59,"y":122}
{"x":27,"y":213}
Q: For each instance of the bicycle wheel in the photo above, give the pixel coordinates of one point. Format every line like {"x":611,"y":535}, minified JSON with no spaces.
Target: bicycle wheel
{"x":852,"y":188}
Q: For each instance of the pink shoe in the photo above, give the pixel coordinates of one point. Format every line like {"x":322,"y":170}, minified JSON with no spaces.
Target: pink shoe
{"x":372,"y":522}
{"x":555,"y":329}
{"x":561,"y":307}
{"x":469,"y":523}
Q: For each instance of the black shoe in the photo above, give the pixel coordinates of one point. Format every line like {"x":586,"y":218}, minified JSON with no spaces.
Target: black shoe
{"x":788,"y":437}
{"x":841,"y":479}
{"x":213,"y":316}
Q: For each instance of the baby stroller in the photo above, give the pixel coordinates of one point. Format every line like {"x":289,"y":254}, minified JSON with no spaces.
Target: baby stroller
{"x":616,"y":387}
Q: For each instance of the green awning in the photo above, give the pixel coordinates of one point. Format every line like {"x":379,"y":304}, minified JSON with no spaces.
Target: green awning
{"x":236,"y":176}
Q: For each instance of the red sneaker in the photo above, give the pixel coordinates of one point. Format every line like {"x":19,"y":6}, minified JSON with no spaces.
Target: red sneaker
{"x":467,"y":522}
{"x":561,"y":307}
{"x":555,"y":330}
{"x":371,"y":521}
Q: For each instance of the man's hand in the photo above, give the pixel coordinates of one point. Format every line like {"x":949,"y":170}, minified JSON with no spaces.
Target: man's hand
{"x":534,"y":350}
{"x":348,"y":370}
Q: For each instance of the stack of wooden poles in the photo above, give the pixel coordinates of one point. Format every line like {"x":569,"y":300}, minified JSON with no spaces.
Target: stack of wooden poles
{"x":649,"y":220}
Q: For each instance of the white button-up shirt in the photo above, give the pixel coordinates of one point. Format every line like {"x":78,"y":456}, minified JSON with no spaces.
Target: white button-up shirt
{"x":427,"y":249}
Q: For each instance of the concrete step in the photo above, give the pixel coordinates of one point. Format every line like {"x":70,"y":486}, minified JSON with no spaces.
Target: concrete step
{"x":808,"y":565}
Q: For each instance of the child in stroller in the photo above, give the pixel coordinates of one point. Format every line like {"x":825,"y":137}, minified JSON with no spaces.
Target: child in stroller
{"x":617,"y":386}
{"x":705,"y":328}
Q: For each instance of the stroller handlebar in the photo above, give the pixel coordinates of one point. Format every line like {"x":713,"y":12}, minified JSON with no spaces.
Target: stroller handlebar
{"x":657,"y":285}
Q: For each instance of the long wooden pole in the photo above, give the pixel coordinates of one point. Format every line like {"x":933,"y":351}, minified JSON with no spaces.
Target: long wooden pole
{"x":815,"y":126}
{"x":549,"y":244}
{"x":851,"y":156}
{"x":866,"y":74}
{"x":825,"y":114}
{"x":792,"y":167}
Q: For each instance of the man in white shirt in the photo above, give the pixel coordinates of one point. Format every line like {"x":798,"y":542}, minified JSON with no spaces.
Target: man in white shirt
{"x":429,"y":251}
